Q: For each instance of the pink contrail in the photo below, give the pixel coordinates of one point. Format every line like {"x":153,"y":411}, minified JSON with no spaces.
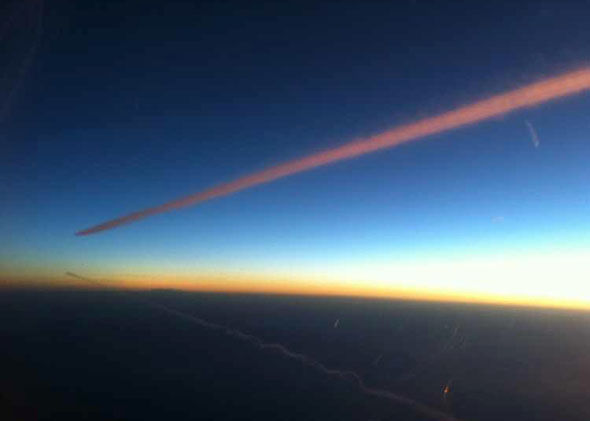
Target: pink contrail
{"x":533,"y":94}
{"x":296,"y":356}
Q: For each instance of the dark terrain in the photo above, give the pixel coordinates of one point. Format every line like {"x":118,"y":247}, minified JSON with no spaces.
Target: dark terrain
{"x":91,"y":355}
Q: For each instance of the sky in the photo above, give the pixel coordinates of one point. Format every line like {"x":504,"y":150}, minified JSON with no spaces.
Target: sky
{"x":112,"y":107}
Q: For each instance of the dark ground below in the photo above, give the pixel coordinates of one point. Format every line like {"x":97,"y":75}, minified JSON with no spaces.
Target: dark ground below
{"x":91,"y":355}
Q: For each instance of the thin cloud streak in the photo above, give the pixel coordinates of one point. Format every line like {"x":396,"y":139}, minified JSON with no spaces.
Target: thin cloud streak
{"x":530,"y":95}
{"x":533,"y":133}
{"x":287,"y":353}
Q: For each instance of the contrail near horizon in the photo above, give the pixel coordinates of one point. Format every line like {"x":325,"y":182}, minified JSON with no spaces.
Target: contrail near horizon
{"x":287,"y":353}
{"x":527,"y":96}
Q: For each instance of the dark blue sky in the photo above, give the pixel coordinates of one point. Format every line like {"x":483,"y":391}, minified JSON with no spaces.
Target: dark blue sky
{"x":130,"y":104}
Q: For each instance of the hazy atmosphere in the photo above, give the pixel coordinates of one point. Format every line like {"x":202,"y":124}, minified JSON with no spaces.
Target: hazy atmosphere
{"x":406,"y":182}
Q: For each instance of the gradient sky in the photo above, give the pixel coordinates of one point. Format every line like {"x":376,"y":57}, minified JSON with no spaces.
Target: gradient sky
{"x":130,"y":104}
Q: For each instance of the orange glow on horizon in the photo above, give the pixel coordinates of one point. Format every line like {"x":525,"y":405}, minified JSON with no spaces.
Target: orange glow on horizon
{"x":300,"y":289}
{"x":557,"y":280}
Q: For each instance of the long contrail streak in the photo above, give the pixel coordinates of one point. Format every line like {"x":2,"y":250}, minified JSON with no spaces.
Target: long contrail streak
{"x":287,"y":353}
{"x":533,"y":94}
